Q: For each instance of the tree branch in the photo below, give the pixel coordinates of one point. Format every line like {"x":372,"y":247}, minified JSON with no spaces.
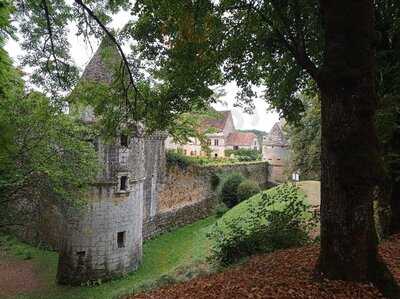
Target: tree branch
{"x":50,"y":31}
{"x":296,"y":46}
{"x":113,"y":39}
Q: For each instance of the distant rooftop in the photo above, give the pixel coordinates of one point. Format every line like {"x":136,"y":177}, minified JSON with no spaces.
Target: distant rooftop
{"x":241,"y":138}
{"x":217,"y":122}
{"x":276,"y":136}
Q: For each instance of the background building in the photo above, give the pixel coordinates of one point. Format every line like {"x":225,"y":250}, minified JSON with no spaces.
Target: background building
{"x":275,"y":146}
{"x":225,"y":136}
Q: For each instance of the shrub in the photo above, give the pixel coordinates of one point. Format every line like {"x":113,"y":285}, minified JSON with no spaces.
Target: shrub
{"x":177,"y":158}
{"x":244,"y":154}
{"x":220,"y":209}
{"x":228,"y":188}
{"x":273,"y":219}
{"x":247,"y":189}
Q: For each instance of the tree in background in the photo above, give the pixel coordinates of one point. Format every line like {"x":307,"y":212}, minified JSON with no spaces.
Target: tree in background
{"x":43,"y":153}
{"x":305,"y":141}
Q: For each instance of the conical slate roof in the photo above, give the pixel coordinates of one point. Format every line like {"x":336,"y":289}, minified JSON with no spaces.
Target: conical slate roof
{"x":103,"y":63}
{"x":276,"y":137}
{"x":100,"y":69}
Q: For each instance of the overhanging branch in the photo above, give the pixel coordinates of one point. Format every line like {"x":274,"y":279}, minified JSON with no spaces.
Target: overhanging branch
{"x":113,"y":39}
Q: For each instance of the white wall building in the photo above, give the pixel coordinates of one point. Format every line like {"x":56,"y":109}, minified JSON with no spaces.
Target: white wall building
{"x":225,"y":137}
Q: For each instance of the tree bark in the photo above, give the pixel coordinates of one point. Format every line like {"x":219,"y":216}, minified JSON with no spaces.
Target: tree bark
{"x":349,"y":151}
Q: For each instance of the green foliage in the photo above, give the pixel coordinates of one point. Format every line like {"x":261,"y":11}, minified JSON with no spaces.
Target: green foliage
{"x":220,"y":209}
{"x":244,"y":154}
{"x":44,"y":154}
{"x":176,"y":158}
{"x":273,"y":219}
{"x":247,"y":189}
{"x":204,"y":43}
{"x":305,"y":141}
{"x":228,"y":189}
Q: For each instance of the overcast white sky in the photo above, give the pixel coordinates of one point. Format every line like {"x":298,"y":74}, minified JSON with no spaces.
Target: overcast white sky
{"x":261,"y":119}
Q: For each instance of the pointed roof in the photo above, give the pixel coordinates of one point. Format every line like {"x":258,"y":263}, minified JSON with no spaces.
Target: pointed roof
{"x":276,"y":136}
{"x":218,"y":122}
{"x":101,"y":67}
{"x":241,"y":138}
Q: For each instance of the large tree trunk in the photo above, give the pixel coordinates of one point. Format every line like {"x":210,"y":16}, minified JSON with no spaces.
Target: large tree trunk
{"x":349,"y":158}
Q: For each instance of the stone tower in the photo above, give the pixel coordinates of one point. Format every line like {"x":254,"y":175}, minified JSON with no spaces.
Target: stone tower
{"x":275,"y":147}
{"x":104,"y":239}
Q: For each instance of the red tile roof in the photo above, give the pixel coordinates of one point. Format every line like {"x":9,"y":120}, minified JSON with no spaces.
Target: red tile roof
{"x":241,"y":138}
{"x":217,"y":122}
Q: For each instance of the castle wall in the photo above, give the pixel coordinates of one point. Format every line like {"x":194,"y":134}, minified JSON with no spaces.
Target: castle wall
{"x":104,"y":239}
{"x":276,"y":155}
{"x":189,"y":194}
{"x":154,"y":150}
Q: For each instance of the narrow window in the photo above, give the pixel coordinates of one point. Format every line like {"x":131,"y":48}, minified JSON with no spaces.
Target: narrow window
{"x":216,"y":142}
{"x":124,"y":140}
{"x":121,"y":239}
{"x":123,"y":182}
{"x":81,"y":254}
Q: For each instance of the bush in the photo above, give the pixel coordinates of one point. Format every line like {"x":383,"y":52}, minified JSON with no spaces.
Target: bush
{"x":221,"y":209}
{"x":247,"y":189}
{"x":228,"y":188}
{"x":244,"y":154}
{"x":177,"y":158}
{"x":273,"y":219}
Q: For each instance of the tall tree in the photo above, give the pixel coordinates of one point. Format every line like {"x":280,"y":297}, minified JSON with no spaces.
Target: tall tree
{"x":350,"y":157}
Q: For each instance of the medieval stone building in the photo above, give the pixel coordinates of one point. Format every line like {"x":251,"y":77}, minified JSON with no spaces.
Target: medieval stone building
{"x":104,"y":239}
{"x":275,"y":146}
{"x":275,"y":152}
{"x":224,"y":137}
{"x":134,"y":197}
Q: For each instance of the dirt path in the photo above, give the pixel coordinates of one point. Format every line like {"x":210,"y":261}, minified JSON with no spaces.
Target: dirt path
{"x":17,"y":276}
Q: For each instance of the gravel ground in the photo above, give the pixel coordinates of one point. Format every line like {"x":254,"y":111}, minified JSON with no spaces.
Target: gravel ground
{"x":17,"y":277}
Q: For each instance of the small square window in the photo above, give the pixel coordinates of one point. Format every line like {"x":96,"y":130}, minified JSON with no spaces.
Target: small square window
{"x":121,"y":239}
{"x":124,"y":140}
{"x":123,"y":183}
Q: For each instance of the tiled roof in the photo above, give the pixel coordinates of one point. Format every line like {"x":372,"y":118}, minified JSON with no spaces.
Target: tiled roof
{"x":217,"y":122}
{"x":100,"y":68}
{"x":241,"y":138}
{"x":276,"y":136}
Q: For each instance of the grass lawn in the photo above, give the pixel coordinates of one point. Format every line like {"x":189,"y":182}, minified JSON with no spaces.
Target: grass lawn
{"x":169,"y":255}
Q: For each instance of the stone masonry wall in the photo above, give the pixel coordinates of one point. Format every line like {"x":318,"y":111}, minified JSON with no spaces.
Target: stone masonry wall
{"x":104,"y":239}
{"x":188,"y":194}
